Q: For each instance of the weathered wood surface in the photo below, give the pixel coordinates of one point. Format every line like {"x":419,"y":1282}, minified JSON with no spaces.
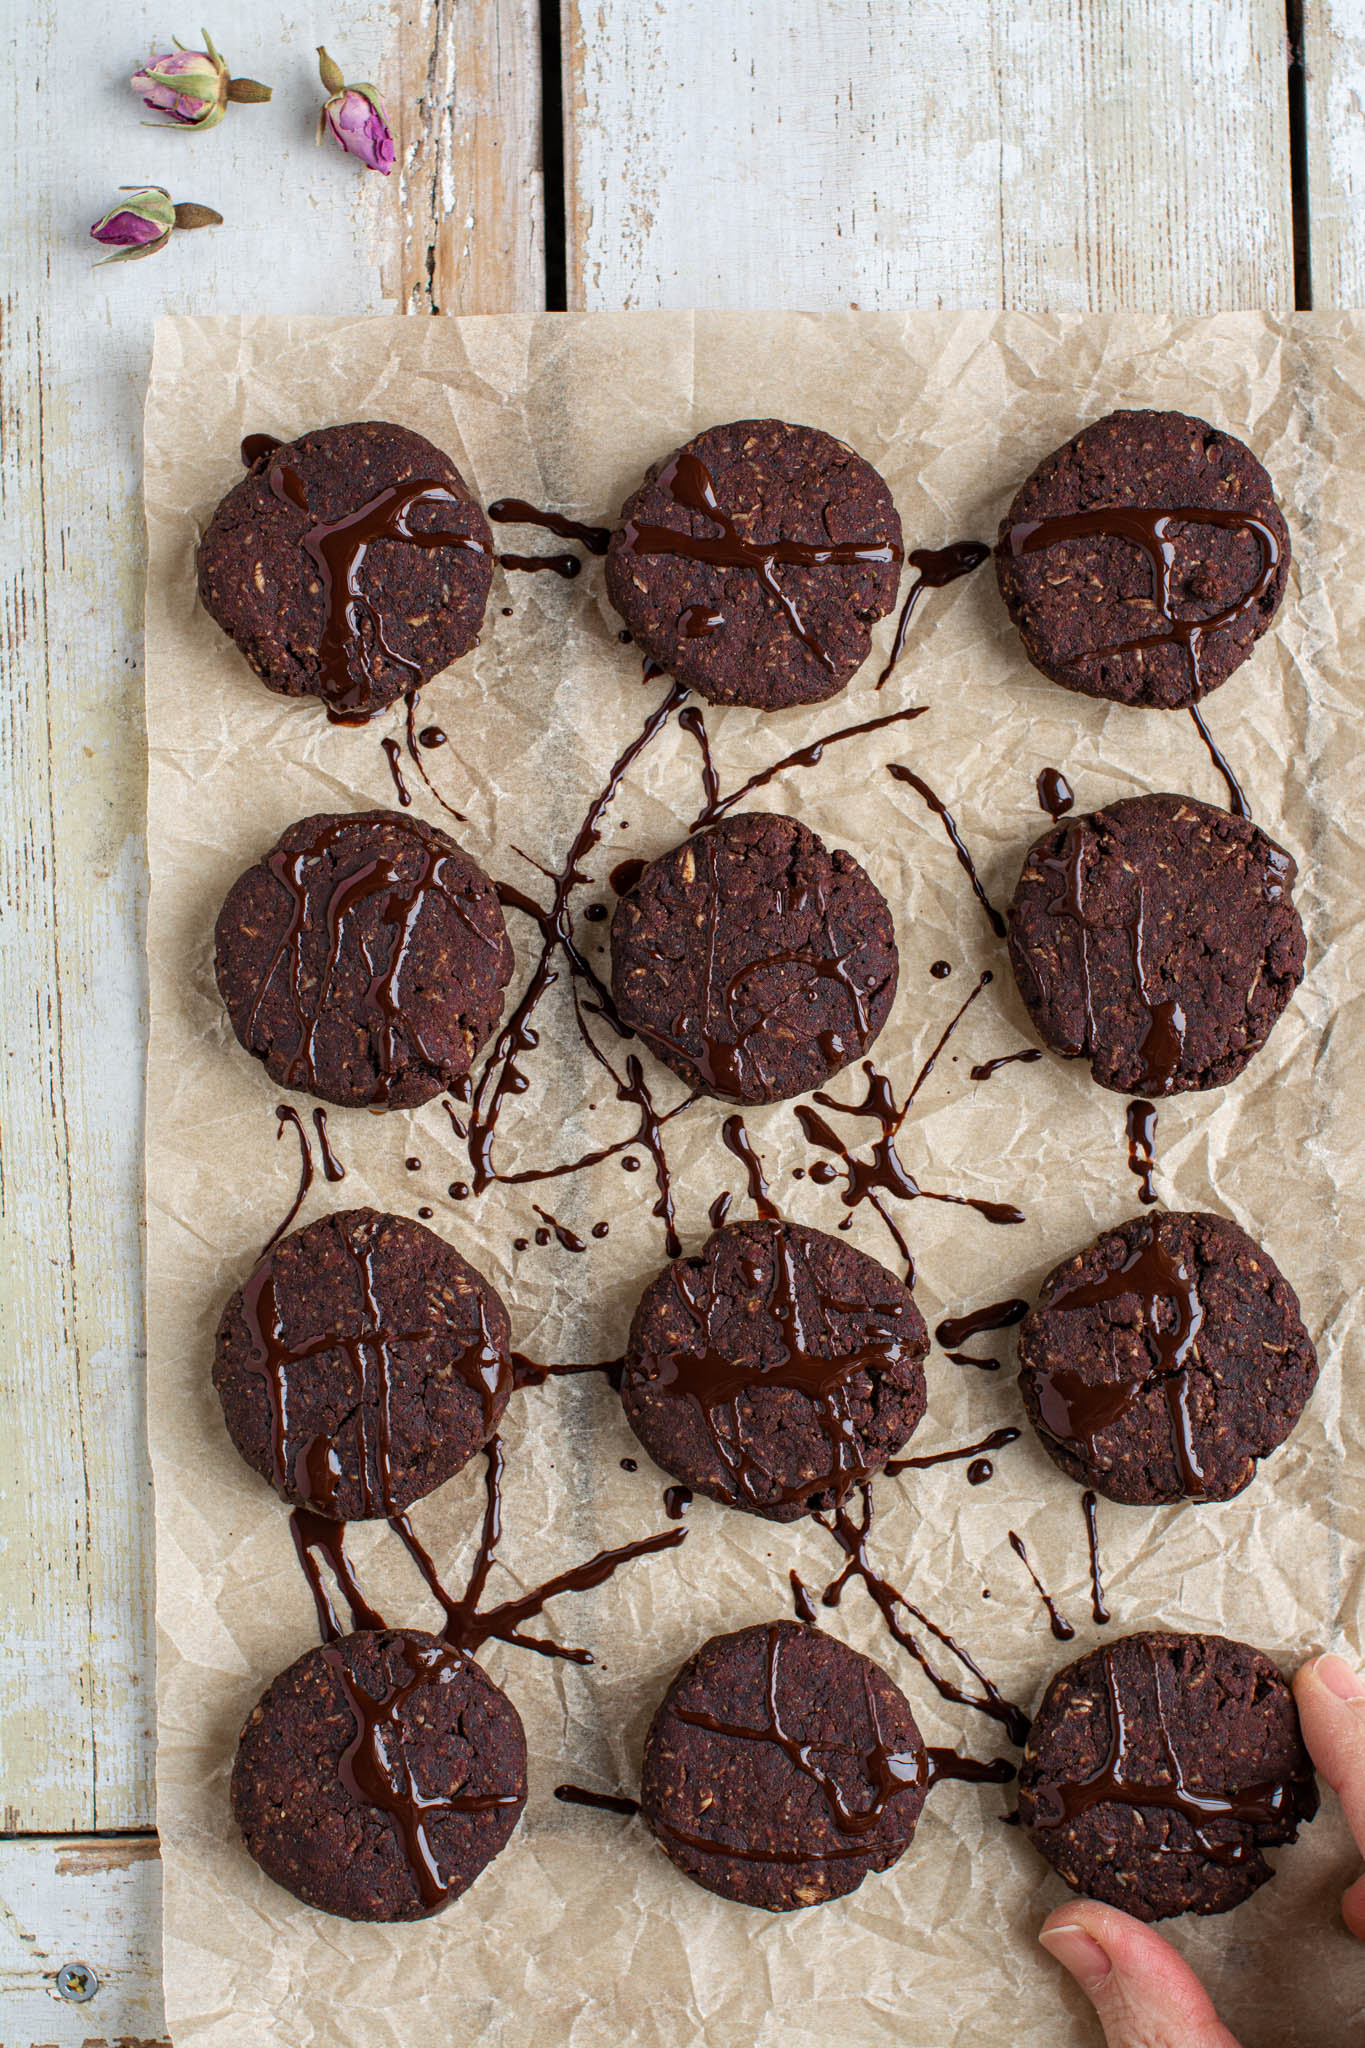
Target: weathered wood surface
{"x":92,"y":1908}
{"x":1074,"y":154}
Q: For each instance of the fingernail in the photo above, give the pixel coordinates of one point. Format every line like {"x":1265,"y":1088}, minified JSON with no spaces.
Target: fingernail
{"x":1337,"y":1675}
{"x":1076,"y":1952}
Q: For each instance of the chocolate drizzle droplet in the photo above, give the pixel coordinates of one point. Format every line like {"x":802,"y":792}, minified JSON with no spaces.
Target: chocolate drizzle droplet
{"x":1140,"y":1118}
{"x":1089,"y":1507}
{"x":1055,"y":794}
{"x":1061,"y":1627}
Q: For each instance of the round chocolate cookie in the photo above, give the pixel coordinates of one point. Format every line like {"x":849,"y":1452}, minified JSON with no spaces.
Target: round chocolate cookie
{"x":752,"y":960}
{"x":1160,"y":1767}
{"x":351,"y":565}
{"x":776,"y":1371}
{"x":782,"y":1767}
{"x":1144,"y":559}
{"x":362,"y":1364}
{"x":1161,"y":1363}
{"x":1158,"y":939}
{"x":378,"y":1775}
{"x":752,"y":563}
{"x":363,"y":959}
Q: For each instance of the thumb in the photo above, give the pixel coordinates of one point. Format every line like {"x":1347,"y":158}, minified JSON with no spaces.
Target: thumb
{"x":1331,"y":1702}
{"x":1146,"y":1996}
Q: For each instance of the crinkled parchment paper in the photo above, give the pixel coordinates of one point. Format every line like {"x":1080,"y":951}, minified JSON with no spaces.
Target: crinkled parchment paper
{"x":582,"y":1932}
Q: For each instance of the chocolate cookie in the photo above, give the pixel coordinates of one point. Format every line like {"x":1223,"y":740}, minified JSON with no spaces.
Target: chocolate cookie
{"x":753,"y":961}
{"x":752,"y":563}
{"x":1144,"y":559}
{"x":363,"y":959}
{"x":351,"y":565}
{"x":1164,"y":1361}
{"x":378,"y":1775}
{"x":782,"y":1767}
{"x":1160,"y":1767}
{"x":362,"y":1364}
{"x":1158,"y":939}
{"x":776,"y":1371}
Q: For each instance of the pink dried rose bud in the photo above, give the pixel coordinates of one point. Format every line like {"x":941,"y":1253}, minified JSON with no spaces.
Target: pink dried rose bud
{"x":357,"y":117}
{"x":145,"y":221}
{"x":193,"y":87}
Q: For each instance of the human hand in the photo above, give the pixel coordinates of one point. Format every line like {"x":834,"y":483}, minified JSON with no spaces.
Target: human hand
{"x":1147,"y":1996}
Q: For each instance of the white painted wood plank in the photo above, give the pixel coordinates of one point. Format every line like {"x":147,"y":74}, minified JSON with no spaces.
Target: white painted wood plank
{"x":1334,"y":50}
{"x":1066,"y":154}
{"x":96,"y":1904}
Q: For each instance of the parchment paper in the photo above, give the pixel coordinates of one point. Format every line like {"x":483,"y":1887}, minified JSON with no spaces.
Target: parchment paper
{"x":582,"y":1932}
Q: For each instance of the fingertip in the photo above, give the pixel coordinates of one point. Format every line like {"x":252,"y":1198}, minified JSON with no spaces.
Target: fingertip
{"x":1353,"y":1909}
{"x":1144,"y":1990}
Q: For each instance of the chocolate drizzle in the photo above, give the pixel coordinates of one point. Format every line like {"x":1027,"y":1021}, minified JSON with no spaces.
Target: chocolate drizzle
{"x":332,"y":1168}
{"x":883,"y":1172}
{"x":374,"y":1768}
{"x":392,"y":1033}
{"x":309,"y":1470}
{"x":1236,"y":794}
{"x":517,"y":512}
{"x":1264,"y":1805}
{"x":852,"y":1538}
{"x":996,"y":1315}
{"x":1057,"y":1621}
{"x":1163,"y":1040}
{"x":353,"y":627}
{"x":737,"y":1140}
{"x":290,"y":1118}
{"x":255,"y":446}
{"x":467,"y":1627}
{"x":1089,"y":1506}
{"x":810,"y":1363}
{"x":996,"y":1441}
{"x":940,"y":810}
{"x":1140,"y":1119}
{"x":393,"y":754}
{"x":937,"y":567}
{"x":1148,"y":529}
{"x":689,"y":483}
{"x":318,"y":1536}
{"x":1077,"y":1411}
{"x":1055,"y":794}
{"x":808,"y":756}
{"x":887,"y":1771}
{"x":1024,"y":1058}
{"x":605,"y":1802}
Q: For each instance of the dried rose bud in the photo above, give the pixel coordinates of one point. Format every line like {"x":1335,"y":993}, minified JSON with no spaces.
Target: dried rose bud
{"x":357,"y":117}
{"x":144,"y":222}
{"x":193,"y":86}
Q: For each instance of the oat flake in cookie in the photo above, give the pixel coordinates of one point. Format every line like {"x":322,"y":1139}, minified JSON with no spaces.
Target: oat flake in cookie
{"x":1144,"y":559}
{"x":782,"y":1767}
{"x":1163,"y":1361}
{"x":350,"y":565}
{"x":776,"y":1371}
{"x":753,"y":563}
{"x":362,"y":1364}
{"x":1158,"y":1770}
{"x":378,"y":1775}
{"x":752,"y":960}
{"x":363,"y":959}
{"x":1158,"y":939}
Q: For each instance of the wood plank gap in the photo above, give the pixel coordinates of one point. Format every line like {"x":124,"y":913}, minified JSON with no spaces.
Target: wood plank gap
{"x":552,"y":156}
{"x":1300,"y":217}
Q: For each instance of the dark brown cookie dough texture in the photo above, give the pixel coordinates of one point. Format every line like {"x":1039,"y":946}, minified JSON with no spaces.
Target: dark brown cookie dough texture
{"x":752,"y":960}
{"x":363,"y":959}
{"x":378,"y":1775}
{"x":1088,"y":603}
{"x":362,"y":1364}
{"x":1165,"y":1360}
{"x":752,"y":627}
{"x":288,"y":552}
{"x":1158,"y":939}
{"x":1158,"y":1770}
{"x":776,"y":1370}
{"x":782,"y":1767}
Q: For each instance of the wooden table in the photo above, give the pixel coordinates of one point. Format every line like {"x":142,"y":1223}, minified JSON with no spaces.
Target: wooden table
{"x":1189,"y":155}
